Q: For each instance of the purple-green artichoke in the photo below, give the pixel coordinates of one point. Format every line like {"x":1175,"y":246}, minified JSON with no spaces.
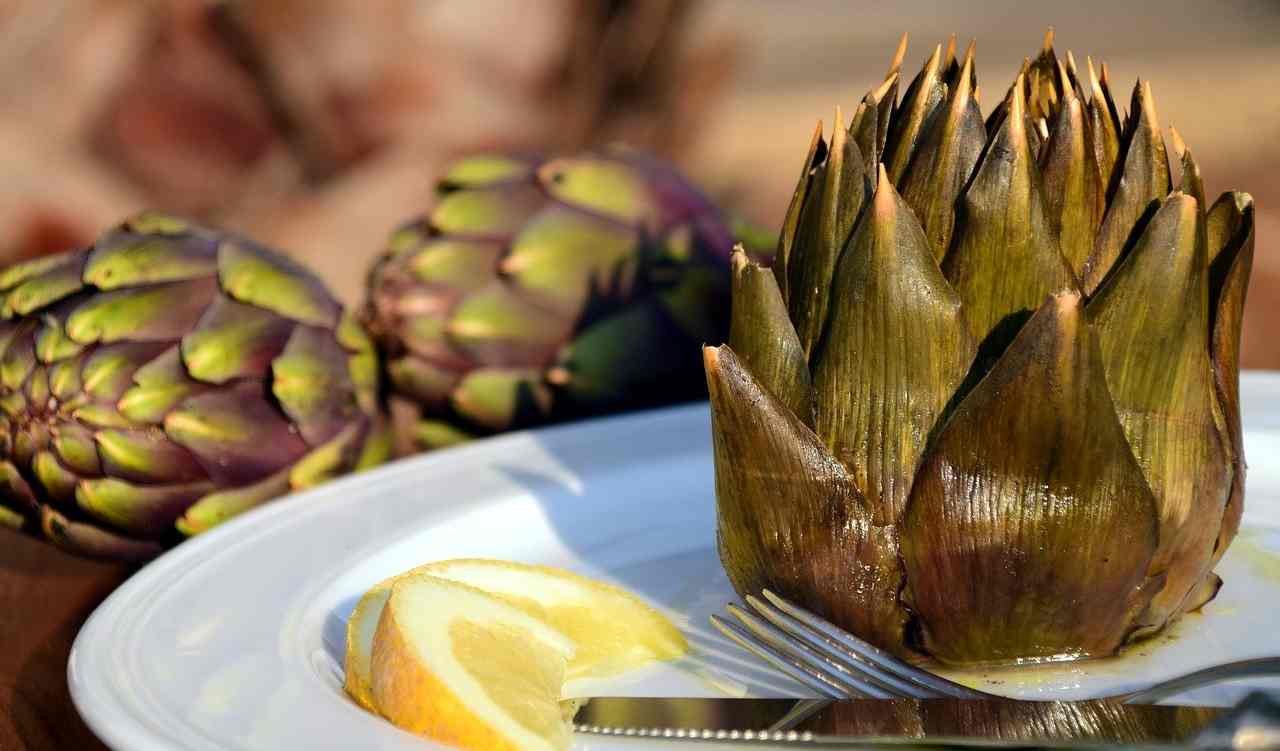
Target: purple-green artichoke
{"x":538,"y":290}
{"x":984,"y":406}
{"x":168,"y":378}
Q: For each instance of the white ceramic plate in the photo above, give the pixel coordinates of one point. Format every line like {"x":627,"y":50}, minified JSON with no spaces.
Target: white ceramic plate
{"x":234,"y":639}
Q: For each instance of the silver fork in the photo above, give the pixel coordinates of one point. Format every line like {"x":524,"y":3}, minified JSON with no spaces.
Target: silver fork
{"x":839,"y":665}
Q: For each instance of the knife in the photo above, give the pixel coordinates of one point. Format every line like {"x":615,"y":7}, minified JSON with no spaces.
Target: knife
{"x":952,"y":723}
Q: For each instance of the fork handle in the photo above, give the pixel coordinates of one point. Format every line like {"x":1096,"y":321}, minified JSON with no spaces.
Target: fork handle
{"x":1215,"y":674}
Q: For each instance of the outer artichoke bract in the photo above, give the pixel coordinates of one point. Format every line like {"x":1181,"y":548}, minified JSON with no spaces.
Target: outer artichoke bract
{"x":170,"y":377}
{"x":984,"y":407}
{"x":536,"y":291}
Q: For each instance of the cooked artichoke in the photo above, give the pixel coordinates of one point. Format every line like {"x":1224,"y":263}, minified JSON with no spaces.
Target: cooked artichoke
{"x":984,"y":407}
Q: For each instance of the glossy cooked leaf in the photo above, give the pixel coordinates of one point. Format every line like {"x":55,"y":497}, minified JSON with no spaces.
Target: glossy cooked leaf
{"x":76,"y":449}
{"x":825,"y":223}
{"x":1231,"y":233}
{"x":1142,"y":182}
{"x":1004,"y":257}
{"x":895,"y":351}
{"x":762,"y":335}
{"x":429,"y":435}
{"x":1073,"y":190}
{"x":234,"y":340}
{"x":1152,"y":322}
{"x":923,"y":96}
{"x":1030,"y":526}
{"x":1104,"y":127}
{"x":941,"y":167}
{"x":790,"y":224}
{"x":790,"y":518}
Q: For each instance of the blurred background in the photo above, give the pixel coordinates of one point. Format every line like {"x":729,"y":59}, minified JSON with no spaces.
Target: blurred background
{"x":319,"y":125}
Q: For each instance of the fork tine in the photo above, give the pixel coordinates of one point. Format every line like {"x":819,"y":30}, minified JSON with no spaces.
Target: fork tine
{"x":875,"y":655}
{"x":854,"y":685}
{"x":748,"y":642}
{"x":841,"y":658}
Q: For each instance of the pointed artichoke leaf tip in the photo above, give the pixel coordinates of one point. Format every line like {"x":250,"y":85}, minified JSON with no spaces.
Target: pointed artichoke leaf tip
{"x":1047,"y":47}
{"x":895,"y":66}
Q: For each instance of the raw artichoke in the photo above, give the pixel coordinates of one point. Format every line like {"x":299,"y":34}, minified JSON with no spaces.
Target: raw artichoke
{"x":536,"y":291}
{"x":170,"y":377}
{"x":984,"y":406}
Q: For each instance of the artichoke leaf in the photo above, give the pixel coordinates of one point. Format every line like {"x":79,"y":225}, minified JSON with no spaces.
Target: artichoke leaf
{"x":125,"y":259}
{"x":1141,"y":182}
{"x":146,"y":456}
{"x":87,"y":539}
{"x":15,"y":274}
{"x":159,"y":386}
{"x":561,"y":253}
{"x":816,"y":156}
{"x":312,"y":382}
{"x":75,"y":446}
{"x":499,"y":325}
{"x":1030,"y":527}
{"x":238,"y":436}
{"x":234,"y":340}
{"x":498,"y":398}
{"x":327,"y":460}
{"x":269,"y":280}
{"x":215,"y":508}
{"x":790,"y":518}
{"x":1152,"y":321}
{"x":609,"y":187}
{"x":1004,"y":257}
{"x":895,"y":351}
{"x":109,"y":370}
{"x":825,"y":224}
{"x":1073,"y":190}
{"x":485,"y":169}
{"x":762,"y":335}
{"x":925,"y":94}
{"x":56,"y":283}
{"x":59,"y":483}
{"x":1231,"y":232}
{"x":144,"y":510}
{"x":941,"y":167}
{"x":1104,"y":125}
{"x":157,"y":312}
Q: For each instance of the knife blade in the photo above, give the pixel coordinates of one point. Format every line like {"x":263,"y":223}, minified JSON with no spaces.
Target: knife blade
{"x":947,"y":722}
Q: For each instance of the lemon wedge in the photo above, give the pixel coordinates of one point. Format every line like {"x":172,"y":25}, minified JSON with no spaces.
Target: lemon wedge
{"x":608,"y":629}
{"x":457,"y":665}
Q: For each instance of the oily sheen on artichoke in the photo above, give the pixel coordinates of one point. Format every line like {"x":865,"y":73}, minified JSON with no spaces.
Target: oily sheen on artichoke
{"x":984,"y":405}
{"x":170,"y":377}
{"x":541,"y":290}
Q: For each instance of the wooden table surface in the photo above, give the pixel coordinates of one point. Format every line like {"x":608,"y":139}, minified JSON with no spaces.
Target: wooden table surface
{"x":45,"y":596}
